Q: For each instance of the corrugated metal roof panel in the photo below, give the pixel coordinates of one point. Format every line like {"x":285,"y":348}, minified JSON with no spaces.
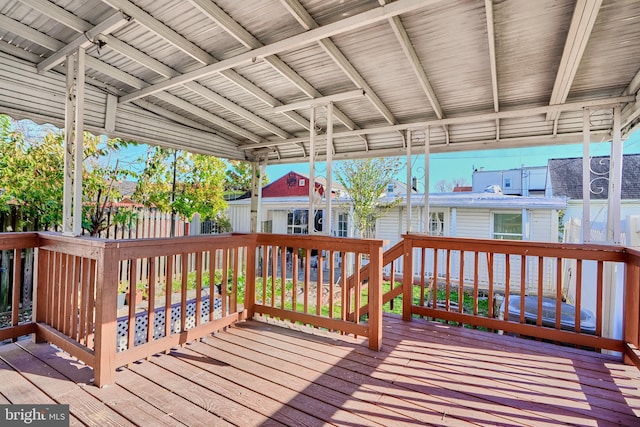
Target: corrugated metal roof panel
{"x":450,"y":39}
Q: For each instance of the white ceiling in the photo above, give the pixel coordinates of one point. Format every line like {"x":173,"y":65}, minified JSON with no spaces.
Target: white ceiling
{"x":206,"y":75}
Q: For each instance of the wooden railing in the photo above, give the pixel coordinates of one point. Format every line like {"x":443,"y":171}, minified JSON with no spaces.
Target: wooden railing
{"x":329,"y":283}
{"x":631,"y":323}
{"x":78,"y":281}
{"x":319,"y":281}
{"x":16,"y":243}
{"x":524,"y":307}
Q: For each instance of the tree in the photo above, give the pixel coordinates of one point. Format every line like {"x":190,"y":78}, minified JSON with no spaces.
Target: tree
{"x":183,"y":183}
{"x":31,"y":176}
{"x":239,"y":177}
{"x":32,"y":169}
{"x":366,"y":182}
{"x":100,"y":173}
{"x":444,"y":186}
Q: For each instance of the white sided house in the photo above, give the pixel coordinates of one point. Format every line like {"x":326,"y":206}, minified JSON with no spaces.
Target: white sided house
{"x":285,"y":206}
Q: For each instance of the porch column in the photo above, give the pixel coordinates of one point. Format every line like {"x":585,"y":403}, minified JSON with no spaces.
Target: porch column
{"x":312,"y":173}
{"x":408,"y":136}
{"x":427,"y":151}
{"x":74,"y":125}
{"x":257,"y":175}
{"x":67,"y":187}
{"x":586,"y":178}
{"x":327,"y":220}
{"x":615,"y":181}
{"x":612,"y":287}
{"x":79,"y":145}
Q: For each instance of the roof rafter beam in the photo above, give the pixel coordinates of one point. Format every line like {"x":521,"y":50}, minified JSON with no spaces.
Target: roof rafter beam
{"x":488,"y":7}
{"x":26,"y":32}
{"x":135,"y":82}
{"x":478,"y":118}
{"x":115,"y":44}
{"x":632,"y":110}
{"x":321,"y":101}
{"x":513,"y":142}
{"x":171,"y":36}
{"x":348,"y":24}
{"x":236,"y":30}
{"x":407,"y":47}
{"x":308,"y":23}
{"x":582,"y":22}
{"x":112,"y":23}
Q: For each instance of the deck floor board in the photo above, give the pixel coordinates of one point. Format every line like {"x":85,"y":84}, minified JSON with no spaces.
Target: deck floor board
{"x":259,"y":373}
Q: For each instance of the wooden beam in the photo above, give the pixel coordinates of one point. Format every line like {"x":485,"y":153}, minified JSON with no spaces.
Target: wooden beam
{"x":488,"y":7}
{"x":582,"y":22}
{"x":527,"y":112}
{"x":24,"y":31}
{"x":319,"y":102}
{"x":308,"y":23}
{"x":112,"y":23}
{"x":411,"y":54}
{"x":220,"y":17}
{"x":348,"y":24}
{"x":171,"y":36}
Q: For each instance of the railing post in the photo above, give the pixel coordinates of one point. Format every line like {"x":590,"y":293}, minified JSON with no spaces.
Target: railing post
{"x":631,"y":327}
{"x":407,"y":279}
{"x":250,"y":279}
{"x":106,"y":316}
{"x":375,"y":297}
{"x":39,"y":314}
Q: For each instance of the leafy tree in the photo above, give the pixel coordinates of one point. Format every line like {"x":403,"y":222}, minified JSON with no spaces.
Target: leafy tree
{"x":366,"y":182}
{"x":183,"y":183}
{"x":32,"y":175}
{"x":99,"y":177}
{"x":239,"y":177}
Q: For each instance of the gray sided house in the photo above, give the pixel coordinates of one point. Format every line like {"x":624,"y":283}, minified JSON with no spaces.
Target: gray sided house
{"x":565,"y":178}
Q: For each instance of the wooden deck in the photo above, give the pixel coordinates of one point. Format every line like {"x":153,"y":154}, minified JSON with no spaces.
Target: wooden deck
{"x":257,"y":373}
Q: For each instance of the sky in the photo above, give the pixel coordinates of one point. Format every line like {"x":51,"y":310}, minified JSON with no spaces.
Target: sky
{"x":449,"y":166}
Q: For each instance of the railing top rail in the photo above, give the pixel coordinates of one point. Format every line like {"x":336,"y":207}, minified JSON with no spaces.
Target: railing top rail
{"x":142,"y":248}
{"x":522,"y":247}
{"x":19,"y":240}
{"x":346,"y":244}
{"x":633,"y":256}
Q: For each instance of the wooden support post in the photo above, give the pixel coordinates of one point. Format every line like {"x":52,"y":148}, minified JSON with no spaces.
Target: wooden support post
{"x":250,"y":279}
{"x":631,"y":327}
{"x":407,"y":280}
{"x":106,"y":317}
{"x":375,"y":297}
{"x":39,"y":314}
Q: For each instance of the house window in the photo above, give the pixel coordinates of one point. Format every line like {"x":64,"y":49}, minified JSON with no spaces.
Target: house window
{"x":436,"y":223}
{"x":507,"y":226}
{"x":297,"y":221}
{"x":267,"y":226}
{"x":507,"y":183}
{"x":390,"y":188}
{"x":343,"y":224}
{"x":301,"y":182}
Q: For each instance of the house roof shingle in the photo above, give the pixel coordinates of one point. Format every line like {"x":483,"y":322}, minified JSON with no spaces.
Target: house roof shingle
{"x":566,"y":177}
